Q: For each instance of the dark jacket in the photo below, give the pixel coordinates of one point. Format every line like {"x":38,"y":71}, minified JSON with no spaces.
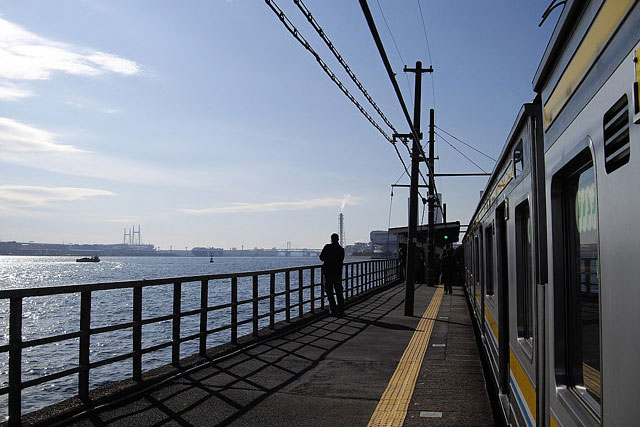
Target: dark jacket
{"x":332,"y":256}
{"x":448,"y":267}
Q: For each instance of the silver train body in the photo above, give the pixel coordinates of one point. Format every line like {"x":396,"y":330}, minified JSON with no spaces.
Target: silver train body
{"x":552,"y":251}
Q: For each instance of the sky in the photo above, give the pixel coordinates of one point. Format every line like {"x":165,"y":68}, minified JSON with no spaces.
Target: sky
{"x":208,"y":124}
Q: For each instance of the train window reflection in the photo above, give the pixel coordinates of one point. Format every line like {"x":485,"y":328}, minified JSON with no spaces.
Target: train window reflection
{"x":523,"y":264}
{"x":583,"y":284}
{"x":518,"y":160}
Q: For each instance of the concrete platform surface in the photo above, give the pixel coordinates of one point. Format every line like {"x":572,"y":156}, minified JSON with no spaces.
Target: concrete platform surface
{"x":328,"y":373}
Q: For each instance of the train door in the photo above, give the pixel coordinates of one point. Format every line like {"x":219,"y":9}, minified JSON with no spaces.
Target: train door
{"x":503,"y":299}
{"x":476,"y":271}
{"x":481,"y":278}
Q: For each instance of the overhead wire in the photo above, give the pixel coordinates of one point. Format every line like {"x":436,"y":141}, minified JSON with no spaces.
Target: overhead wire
{"x":461,"y":153}
{"x":468,"y":145}
{"x":296,"y":34}
{"x":426,"y":38}
{"x":316,"y":26}
{"x":396,"y":45}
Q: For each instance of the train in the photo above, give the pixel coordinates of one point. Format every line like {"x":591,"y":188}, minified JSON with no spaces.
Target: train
{"x":551,"y":251}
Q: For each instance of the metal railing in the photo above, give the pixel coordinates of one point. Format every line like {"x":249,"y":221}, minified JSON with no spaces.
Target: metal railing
{"x":306,"y":297}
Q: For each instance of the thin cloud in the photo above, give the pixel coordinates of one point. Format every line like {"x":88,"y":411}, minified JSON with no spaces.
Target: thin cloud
{"x":111,"y":110}
{"x":27,"y":56}
{"x":12,"y":92}
{"x":81,"y":105}
{"x":16,"y":137}
{"x":32,"y":147}
{"x":274,"y":206}
{"x":123,"y":219}
{"x":26,"y":196}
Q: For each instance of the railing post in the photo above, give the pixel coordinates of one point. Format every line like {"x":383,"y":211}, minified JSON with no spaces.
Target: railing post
{"x":359,"y":268}
{"x":287,"y":291}
{"x":374,"y":275}
{"x":322,"y":293}
{"x":353,"y":285}
{"x":175,"y":345}
{"x":300,"y":293}
{"x":137,"y":333}
{"x":345,"y":274}
{"x":204,"y":305}
{"x":254,"y":318}
{"x":85,"y":341}
{"x":234,"y":310}
{"x":312,"y":289}
{"x":272,"y":301}
{"x":385,"y":272}
{"x":15,"y":361}
{"x":366,"y":276}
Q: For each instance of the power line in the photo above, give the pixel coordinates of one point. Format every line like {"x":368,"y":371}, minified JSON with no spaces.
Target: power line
{"x":396,"y":45}
{"x":470,"y":146}
{"x":307,"y":13}
{"x":296,"y":34}
{"x":426,"y":38}
{"x":461,"y":153}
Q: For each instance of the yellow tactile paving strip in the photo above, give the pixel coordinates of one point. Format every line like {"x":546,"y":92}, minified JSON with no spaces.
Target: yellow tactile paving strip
{"x":392,"y":407}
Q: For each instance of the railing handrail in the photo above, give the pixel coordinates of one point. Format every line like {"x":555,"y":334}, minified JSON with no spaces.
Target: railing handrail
{"x":124,"y":284}
{"x":359,"y":278}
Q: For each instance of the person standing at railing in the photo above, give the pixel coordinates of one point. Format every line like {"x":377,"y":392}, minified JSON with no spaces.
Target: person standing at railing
{"x":332,"y":256}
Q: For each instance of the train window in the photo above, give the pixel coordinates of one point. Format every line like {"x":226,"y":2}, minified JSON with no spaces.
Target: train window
{"x":489,"y":259}
{"x":523,"y":268}
{"x":518,"y":160}
{"x":582,"y":284}
{"x":617,"y":145}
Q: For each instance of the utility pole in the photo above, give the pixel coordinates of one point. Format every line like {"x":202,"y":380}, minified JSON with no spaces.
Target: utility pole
{"x":413,"y":194}
{"x":432,"y":197}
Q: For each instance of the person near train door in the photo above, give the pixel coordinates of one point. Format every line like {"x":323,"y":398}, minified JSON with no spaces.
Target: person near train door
{"x":332,"y":256}
{"x":437,"y":269}
{"x":448,"y":270}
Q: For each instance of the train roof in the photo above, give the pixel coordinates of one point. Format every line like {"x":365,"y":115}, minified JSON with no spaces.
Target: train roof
{"x":564,"y":27}
{"x":526,"y":111}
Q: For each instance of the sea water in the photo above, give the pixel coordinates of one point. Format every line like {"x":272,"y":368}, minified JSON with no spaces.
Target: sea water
{"x":59,"y":314}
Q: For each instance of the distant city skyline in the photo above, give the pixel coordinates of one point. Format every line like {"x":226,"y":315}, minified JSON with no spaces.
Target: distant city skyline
{"x":208,"y":124}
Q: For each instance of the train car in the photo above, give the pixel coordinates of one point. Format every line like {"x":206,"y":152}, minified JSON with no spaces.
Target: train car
{"x":550,"y":261}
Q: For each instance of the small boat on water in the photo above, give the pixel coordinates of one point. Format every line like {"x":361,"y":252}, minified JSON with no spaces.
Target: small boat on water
{"x":211,"y":258}
{"x":94,"y":258}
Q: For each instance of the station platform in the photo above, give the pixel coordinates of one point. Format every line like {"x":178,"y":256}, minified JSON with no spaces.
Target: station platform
{"x":374,"y":366}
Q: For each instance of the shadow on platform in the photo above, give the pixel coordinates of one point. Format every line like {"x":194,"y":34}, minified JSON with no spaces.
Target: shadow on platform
{"x":222,"y":392}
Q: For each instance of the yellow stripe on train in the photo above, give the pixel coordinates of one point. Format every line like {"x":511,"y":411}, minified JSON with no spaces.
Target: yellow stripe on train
{"x":604,"y":26}
{"x":492,"y":322}
{"x":523,"y":382}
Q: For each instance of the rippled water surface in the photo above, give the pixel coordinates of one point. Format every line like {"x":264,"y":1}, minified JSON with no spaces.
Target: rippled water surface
{"x":53,"y":315}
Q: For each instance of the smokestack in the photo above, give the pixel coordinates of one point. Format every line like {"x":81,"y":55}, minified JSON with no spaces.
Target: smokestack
{"x":341,"y":229}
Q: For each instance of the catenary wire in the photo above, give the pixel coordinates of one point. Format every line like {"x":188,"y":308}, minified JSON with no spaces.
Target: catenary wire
{"x":307,"y":13}
{"x":396,"y":45}
{"x":296,"y":34}
{"x":461,"y":153}
{"x":470,"y":146}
